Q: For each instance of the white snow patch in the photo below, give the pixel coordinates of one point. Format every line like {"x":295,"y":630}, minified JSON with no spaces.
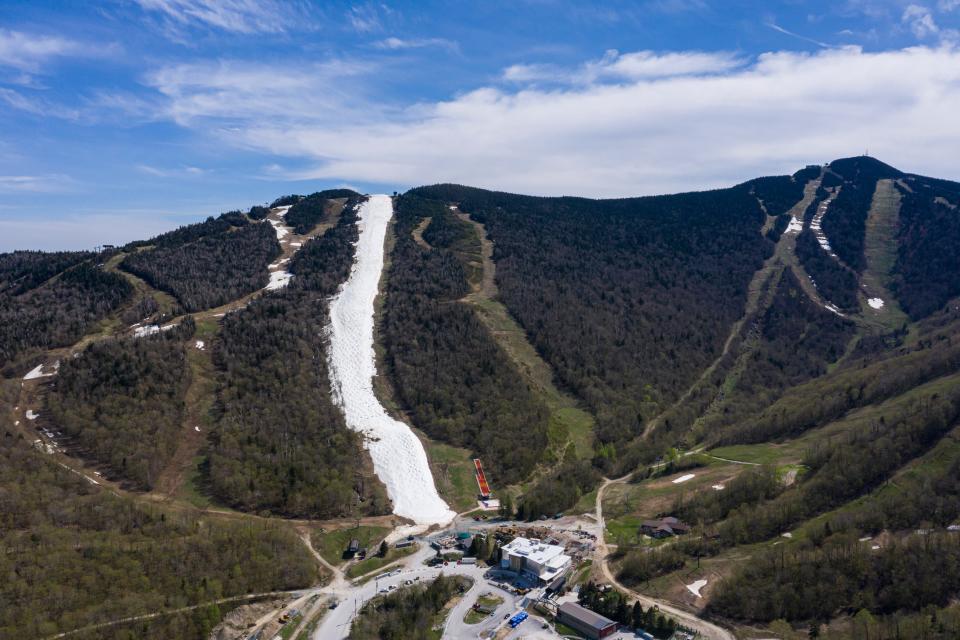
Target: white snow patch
{"x":829,"y":306}
{"x":296,"y":244}
{"x":684,"y":478}
{"x":786,"y":535}
{"x":31,"y":415}
{"x":816,"y":225}
{"x":866,"y":539}
{"x":36,"y":372}
{"x":279,"y":228}
{"x":875,"y":547}
{"x":278,"y":280}
{"x":148,"y":330}
{"x":398,"y":456}
{"x":196,"y":428}
{"x":695,"y":587}
{"x":717,"y":487}
{"x":200,"y":345}
{"x":151,"y":329}
{"x":875,"y":303}
{"x":795,"y":226}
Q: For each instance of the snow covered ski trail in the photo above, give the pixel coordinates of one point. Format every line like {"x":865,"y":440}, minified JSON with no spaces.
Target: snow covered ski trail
{"x":398,"y":456}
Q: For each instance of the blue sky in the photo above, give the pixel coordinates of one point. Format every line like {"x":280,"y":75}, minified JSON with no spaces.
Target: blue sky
{"x":121,"y":119}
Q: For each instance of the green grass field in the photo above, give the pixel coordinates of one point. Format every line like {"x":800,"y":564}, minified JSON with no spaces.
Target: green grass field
{"x":374,"y":562}
{"x":332,"y":544}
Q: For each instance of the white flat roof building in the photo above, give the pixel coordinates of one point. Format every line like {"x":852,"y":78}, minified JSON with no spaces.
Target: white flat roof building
{"x":535,"y":558}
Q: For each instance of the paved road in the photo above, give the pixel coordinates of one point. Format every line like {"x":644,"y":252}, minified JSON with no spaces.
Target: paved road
{"x":336,"y":623}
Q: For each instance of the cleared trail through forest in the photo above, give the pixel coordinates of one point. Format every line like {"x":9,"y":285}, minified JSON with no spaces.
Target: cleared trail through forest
{"x":759,"y":297}
{"x":565,"y":410}
{"x":880,"y":251}
{"x":398,"y":456}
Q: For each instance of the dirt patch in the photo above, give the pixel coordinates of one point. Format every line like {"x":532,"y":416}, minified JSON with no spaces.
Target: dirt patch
{"x":238,"y":623}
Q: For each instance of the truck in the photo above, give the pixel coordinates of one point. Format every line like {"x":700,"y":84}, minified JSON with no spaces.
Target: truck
{"x":517,"y":619}
{"x":468,"y":561}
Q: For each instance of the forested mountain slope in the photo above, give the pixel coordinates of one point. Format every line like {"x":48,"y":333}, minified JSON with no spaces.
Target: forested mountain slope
{"x":628,"y":300}
{"x":807,"y":323}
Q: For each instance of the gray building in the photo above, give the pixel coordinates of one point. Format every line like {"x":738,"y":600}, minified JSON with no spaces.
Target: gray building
{"x":591,"y":624}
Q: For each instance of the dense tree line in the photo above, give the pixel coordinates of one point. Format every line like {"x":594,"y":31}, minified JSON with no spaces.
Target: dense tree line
{"x":212,"y":270}
{"x":448,"y":371}
{"x":122,"y":400}
{"x":835,"y":282}
{"x":280,"y":444}
{"x":848,"y":466}
{"x":778,"y":193}
{"x":779,"y":226}
{"x":800,"y":582}
{"x":628,"y":300}
{"x":796,"y":341}
{"x":21,"y":271}
{"x":927,"y":271}
{"x":870,"y":380}
{"x":192,"y":232}
{"x":927,"y":495}
{"x":74,"y":554}
{"x":753,"y":485}
{"x":845,"y":222}
{"x":558,"y":490}
{"x":307,"y":212}
{"x":60,"y":312}
{"x":408,"y":613}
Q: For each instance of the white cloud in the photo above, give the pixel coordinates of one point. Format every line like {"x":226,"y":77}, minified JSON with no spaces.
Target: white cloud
{"x":238,"y":90}
{"x":29,"y":52}
{"x":638,"y":65}
{"x":948,"y":5}
{"x":654,"y":135}
{"x":920,"y":20}
{"x":416,"y":43}
{"x":235,"y":16}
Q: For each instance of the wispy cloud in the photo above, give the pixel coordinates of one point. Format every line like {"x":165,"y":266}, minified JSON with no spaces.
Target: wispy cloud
{"x":416,"y":43}
{"x":618,"y":67}
{"x":178,"y":172}
{"x":30,"y":52}
{"x":53,"y":183}
{"x":241,"y":90}
{"x":234,"y":16}
{"x":368,"y":18}
{"x":787,"y":32}
{"x":37,"y":106}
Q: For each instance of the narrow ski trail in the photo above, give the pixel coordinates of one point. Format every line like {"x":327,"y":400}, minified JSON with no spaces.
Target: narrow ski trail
{"x":398,"y":455}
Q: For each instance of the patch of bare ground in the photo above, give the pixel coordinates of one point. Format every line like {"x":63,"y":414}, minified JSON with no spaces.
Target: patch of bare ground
{"x":418,"y":233}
